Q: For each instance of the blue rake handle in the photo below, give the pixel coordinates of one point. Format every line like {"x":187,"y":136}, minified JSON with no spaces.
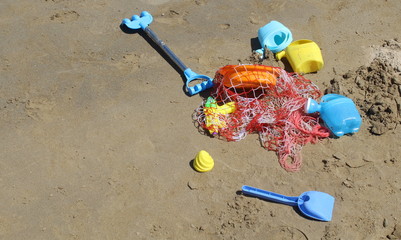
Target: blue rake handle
{"x":143,"y":22}
{"x":271,"y":196}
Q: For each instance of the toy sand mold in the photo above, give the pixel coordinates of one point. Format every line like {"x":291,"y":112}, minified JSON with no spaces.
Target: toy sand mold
{"x":313,"y":204}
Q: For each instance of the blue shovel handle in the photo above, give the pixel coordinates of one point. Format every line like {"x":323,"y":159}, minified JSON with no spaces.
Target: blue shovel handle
{"x":271,"y":196}
{"x":191,"y":76}
{"x":143,"y":22}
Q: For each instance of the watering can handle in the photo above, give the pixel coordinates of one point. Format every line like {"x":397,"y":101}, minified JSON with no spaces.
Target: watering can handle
{"x":271,"y":196}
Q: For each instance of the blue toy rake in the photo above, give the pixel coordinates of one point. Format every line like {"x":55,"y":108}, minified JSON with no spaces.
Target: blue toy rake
{"x":143,"y":21}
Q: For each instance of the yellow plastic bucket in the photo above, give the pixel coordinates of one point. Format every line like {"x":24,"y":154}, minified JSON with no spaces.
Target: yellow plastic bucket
{"x":303,"y":55}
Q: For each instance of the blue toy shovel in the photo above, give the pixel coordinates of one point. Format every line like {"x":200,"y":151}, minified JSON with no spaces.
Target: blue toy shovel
{"x":313,"y":204}
{"x":143,"y":22}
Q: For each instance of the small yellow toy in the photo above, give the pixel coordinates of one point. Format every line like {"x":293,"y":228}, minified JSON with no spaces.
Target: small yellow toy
{"x":203,"y":162}
{"x":215,"y":114}
{"x":303,"y":55}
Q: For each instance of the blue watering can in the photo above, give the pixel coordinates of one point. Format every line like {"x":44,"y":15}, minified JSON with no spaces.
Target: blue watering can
{"x":274,"y":36}
{"x":339,"y":113}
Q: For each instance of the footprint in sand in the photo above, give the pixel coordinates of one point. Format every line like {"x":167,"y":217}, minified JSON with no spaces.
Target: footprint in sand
{"x":128,"y":63}
{"x":155,"y":2}
{"x":64,"y":1}
{"x":40,"y":108}
{"x":224,"y":26}
{"x":5,"y":64}
{"x":65,"y":16}
{"x":172,"y":17}
{"x":277,"y":5}
{"x":201,"y":2}
{"x":286,"y":233}
{"x":146,"y":146}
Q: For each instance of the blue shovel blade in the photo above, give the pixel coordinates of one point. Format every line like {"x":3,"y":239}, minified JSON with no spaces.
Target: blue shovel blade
{"x":317,"y":205}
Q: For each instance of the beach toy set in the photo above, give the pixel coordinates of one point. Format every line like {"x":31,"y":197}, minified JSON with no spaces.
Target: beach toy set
{"x":267,"y":101}
{"x":251,"y":98}
{"x":278,"y":105}
{"x":339,"y":113}
{"x":303,"y":55}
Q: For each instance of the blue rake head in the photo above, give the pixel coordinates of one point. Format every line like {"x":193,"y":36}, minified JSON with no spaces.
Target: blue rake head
{"x":137,"y":22}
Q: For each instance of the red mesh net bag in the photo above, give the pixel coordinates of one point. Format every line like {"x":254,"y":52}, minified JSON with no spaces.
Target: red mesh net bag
{"x":265,"y":100}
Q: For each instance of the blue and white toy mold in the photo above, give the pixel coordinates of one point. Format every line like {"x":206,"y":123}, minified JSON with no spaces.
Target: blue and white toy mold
{"x":339,"y":113}
{"x":274,"y":36}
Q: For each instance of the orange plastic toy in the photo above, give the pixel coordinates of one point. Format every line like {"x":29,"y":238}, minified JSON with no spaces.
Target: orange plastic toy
{"x":248,"y":76}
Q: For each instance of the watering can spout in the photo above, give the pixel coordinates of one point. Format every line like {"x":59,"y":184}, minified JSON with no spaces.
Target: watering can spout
{"x":280,"y":55}
{"x":312,"y":106}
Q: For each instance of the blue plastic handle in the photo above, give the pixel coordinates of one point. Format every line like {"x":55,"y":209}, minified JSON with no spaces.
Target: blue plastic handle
{"x":271,"y":196}
{"x":191,"y":76}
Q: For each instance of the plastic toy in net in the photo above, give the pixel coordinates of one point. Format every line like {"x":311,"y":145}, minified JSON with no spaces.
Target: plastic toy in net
{"x":265,"y":100}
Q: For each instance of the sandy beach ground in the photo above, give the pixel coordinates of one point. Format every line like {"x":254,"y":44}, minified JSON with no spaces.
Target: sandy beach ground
{"x":97,"y":134}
